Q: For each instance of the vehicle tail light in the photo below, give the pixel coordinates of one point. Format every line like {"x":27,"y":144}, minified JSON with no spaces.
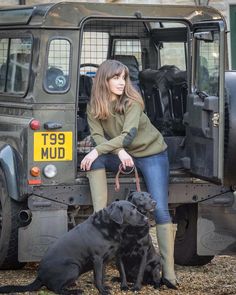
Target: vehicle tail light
{"x":34,"y":124}
{"x":35,"y":171}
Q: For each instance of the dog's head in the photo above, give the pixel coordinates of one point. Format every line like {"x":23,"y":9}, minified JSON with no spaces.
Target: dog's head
{"x":125,"y":213}
{"x":143,"y":201}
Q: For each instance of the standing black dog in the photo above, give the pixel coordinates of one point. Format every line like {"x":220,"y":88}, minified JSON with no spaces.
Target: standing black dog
{"x":138,"y":260}
{"x":87,"y":246}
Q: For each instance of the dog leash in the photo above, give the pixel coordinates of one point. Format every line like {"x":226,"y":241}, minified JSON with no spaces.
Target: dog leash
{"x":121,"y":171}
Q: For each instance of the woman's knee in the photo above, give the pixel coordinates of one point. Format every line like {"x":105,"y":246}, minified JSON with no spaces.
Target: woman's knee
{"x":110,"y":162}
{"x":162,"y":216}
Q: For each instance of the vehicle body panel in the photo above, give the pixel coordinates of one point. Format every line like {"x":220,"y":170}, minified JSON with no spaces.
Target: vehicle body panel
{"x":200,"y":151}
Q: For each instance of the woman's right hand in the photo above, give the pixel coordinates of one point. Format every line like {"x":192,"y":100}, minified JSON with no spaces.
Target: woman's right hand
{"x":126,"y":159}
{"x":88,"y":160}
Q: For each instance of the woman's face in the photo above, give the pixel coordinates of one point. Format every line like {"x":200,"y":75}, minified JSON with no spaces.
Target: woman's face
{"x":117,"y":85}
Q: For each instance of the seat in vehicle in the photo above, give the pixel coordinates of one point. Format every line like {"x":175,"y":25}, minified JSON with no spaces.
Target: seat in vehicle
{"x":85,"y":87}
{"x":165,"y":92}
{"x":132,"y":64}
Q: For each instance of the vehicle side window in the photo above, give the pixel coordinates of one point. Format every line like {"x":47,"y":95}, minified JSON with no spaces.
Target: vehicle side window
{"x":15,"y":56}
{"x":173,"y":54}
{"x":207,"y":65}
{"x":58,"y":66}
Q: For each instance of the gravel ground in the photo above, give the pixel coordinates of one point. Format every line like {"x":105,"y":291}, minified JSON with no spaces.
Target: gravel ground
{"x":217,"y":277}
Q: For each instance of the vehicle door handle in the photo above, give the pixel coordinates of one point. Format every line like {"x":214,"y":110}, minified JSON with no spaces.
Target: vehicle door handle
{"x":52,"y":125}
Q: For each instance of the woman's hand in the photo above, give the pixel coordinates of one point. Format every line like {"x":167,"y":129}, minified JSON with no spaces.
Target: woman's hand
{"x":88,"y":160}
{"x":126,"y":159}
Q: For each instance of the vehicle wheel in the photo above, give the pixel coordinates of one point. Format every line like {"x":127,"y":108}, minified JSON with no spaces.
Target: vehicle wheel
{"x":9,"y":225}
{"x":186,"y":237}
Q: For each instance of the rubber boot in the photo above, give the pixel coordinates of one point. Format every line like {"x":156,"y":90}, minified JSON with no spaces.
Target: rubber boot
{"x":165,"y":238}
{"x":98,"y":188}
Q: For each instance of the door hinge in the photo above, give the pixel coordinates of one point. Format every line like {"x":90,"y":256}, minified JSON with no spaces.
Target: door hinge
{"x":216,"y":119}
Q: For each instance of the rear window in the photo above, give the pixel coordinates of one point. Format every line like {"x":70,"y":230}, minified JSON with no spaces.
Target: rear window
{"x":207,"y":66}
{"x":129,"y":47}
{"x":94,"y":52}
{"x":173,"y":54}
{"x":15,"y":57}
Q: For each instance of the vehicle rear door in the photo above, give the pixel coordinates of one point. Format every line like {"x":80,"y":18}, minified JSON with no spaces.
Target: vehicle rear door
{"x":205,"y":109}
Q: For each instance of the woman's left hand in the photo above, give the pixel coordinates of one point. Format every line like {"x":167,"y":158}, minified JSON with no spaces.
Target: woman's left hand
{"x":88,"y":160}
{"x":125,"y":159}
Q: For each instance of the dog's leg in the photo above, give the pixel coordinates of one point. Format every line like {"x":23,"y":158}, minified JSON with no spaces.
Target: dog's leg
{"x":66,"y":279}
{"x":99,"y":275}
{"x":123,"y":284}
{"x":139,"y":280}
{"x":156,"y":278}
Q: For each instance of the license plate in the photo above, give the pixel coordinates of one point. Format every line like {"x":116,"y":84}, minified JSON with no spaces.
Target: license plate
{"x":53,"y":146}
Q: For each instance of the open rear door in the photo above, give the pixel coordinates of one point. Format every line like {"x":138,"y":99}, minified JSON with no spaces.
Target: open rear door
{"x":205,"y":108}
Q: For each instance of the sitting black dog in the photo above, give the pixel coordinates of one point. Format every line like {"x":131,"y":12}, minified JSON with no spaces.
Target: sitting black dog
{"x":138,"y":260}
{"x":87,"y":246}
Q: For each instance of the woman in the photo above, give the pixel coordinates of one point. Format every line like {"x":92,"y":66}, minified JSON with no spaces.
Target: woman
{"x":123,"y":133}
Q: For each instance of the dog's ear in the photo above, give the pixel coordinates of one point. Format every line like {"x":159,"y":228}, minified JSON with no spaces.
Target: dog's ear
{"x":116,"y":214}
{"x":130,"y":195}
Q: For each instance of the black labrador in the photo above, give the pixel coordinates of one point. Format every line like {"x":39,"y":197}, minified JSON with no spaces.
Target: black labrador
{"x":87,"y":246}
{"x":138,"y":261}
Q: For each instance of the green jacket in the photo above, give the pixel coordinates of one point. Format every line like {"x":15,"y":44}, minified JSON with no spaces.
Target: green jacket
{"x":132,"y":131}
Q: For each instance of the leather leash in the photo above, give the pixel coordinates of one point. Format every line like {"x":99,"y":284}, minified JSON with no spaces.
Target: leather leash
{"x":120,"y":170}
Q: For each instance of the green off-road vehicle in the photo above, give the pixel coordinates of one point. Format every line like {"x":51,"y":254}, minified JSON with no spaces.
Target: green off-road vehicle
{"x":177,"y":57}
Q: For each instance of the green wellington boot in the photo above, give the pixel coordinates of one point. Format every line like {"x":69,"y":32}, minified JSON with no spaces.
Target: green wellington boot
{"x":165,"y":238}
{"x":98,"y":188}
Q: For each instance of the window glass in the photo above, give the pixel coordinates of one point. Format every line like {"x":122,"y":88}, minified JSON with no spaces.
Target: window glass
{"x":3,"y":62}
{"x":58,"y":69}
{"x":15,"y":56}
{"x":173,"y":54}
{"x":207,"y":65}
{"x":129,"y":47}
{"x":94,"y":51}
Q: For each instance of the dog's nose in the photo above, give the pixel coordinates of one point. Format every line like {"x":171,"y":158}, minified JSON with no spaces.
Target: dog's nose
{"x":145,"y":219}
{"x":154,"y":203}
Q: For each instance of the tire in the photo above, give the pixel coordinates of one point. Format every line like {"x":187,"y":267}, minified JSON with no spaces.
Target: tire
{"x":9,"y":225}
{"x":185,"y":251}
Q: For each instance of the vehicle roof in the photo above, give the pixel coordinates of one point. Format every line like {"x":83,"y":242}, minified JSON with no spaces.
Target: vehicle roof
{"x":71,"y":14}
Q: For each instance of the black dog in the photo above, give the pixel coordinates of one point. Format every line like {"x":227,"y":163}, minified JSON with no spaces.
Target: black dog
{"x":87,"y":246}
{"x":138,"y":260}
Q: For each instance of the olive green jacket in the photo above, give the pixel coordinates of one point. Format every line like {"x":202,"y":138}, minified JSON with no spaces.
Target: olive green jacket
{"x":131,"y":131}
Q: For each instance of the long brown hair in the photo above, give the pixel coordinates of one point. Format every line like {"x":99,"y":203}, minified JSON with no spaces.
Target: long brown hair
{"x":100,"y":94}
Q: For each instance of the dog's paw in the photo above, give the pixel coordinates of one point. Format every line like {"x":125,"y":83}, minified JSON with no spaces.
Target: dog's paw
{"x":115,"y":280}
{"x":72,"y":292}
{"x":124,"y":288}
{"x":136,"y":288}
{"x":157,"y":285}
{"x":107,"y":288}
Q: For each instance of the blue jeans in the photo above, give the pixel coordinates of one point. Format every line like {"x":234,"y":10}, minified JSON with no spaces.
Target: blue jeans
{"x":155,"y":171}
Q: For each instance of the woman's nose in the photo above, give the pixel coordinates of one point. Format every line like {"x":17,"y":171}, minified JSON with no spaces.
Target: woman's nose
{"x":122,"y":81}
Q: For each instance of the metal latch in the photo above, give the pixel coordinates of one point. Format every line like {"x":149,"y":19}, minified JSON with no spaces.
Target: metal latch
{"x":216,"y":119}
